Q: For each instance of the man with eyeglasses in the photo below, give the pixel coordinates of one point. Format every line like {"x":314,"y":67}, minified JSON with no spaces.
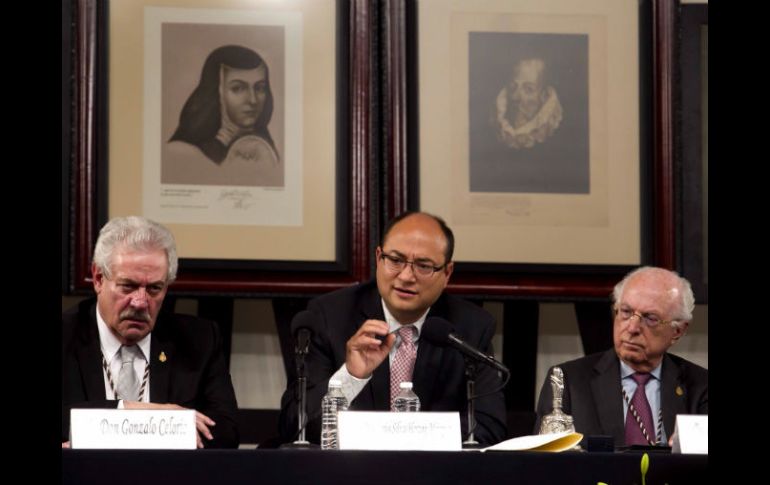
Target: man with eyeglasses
{"x":122,"y":351}
{"x":359,"y":334}
{"x":634,"y":391}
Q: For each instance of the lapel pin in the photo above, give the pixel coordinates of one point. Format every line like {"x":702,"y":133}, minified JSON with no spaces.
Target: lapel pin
{"x":679,"y":391}
{"x":162,"y":358}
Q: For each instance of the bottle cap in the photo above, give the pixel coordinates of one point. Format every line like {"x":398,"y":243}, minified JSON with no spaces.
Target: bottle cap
{"x":405,"y":385}
{"x":335,"y":383}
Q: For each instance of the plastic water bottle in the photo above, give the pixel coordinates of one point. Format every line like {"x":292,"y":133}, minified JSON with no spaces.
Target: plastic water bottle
{"x":406,"y":400}
{"x":331,"y":403}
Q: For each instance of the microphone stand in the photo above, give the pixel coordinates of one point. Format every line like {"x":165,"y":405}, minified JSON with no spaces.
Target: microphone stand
{"x":300,"y":442}
{"x":470,"y":375}
{"x":302,"y":401}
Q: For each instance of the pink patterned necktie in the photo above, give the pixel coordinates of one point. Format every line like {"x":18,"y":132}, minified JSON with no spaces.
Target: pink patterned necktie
{"x":403,"y":362}
{"x":639,"y":416}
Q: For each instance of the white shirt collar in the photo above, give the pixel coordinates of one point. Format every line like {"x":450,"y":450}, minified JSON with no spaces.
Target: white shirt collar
{"x":626,"y":370}
{"x":394,"y":325}
{"x":110,"y":344}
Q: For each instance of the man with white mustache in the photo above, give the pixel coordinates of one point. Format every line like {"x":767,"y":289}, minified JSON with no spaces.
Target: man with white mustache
{"x":177,"y":358}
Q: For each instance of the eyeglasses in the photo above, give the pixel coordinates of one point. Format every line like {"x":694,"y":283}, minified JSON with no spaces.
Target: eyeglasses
{"x":649,"y":319}
{"x":395,"y":265}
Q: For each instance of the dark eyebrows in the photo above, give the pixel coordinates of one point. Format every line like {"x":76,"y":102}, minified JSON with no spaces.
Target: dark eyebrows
{"x":394,"y":253}
{"x":398,"y":254}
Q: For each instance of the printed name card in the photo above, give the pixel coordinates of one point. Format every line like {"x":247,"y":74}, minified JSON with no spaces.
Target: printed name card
{"x":382,"y":430}
{"x":133,"y":429}
{"x":691,"y":434}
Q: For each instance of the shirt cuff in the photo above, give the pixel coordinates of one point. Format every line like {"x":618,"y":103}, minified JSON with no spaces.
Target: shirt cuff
{"x":120,"y":404}
{"x":351,"y":385}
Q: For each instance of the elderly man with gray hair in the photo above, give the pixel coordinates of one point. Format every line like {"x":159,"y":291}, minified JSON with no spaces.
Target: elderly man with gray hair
{"x":119,"y":350}
{"x":634,"y":391}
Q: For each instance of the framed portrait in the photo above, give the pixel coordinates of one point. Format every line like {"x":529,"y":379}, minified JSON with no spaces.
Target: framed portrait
{"x":693,"y":184}
{"x":530,"y":131}
{"x":231,"y":123}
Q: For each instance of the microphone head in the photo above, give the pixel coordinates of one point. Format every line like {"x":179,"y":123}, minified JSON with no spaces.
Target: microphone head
{"x":436,"y":330}
{"x":304,"y":319}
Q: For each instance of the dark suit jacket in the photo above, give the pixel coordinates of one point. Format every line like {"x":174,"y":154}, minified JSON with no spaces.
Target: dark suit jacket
{"x":194,"y":374}
{"x":439,"y":378}
{"x":593,"y":394}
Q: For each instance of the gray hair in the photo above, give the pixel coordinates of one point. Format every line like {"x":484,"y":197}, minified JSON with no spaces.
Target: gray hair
{"x":686,"y":302}
{"x":137,"y":233}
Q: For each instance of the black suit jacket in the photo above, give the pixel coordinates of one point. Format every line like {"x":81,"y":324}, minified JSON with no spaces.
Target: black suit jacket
{"x":593,"y":394}
{"x":439,"y":378}
{"x":194,"y":374}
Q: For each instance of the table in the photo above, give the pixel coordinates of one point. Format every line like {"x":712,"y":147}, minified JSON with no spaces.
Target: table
{"x":373,"y":467}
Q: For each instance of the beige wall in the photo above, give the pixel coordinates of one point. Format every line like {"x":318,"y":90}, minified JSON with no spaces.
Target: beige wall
{"x":257,"y":367}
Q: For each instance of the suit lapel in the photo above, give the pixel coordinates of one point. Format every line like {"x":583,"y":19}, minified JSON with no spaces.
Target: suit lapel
{"x":89,"y":356}
{"x":428,"y":363}
{"x":426,"y":371}
{"x":380,"y":385}
{"x":162,"y":354}
{"x":371,"y":308}
{"x":672,"y":394}
{"x":606,"y":390}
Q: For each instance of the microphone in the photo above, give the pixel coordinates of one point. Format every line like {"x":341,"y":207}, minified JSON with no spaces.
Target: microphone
{"x":438,"y":331}
{"x":302,"y":327}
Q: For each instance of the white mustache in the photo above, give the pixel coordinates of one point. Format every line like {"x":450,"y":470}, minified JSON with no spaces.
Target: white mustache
{"x":135,"y":315}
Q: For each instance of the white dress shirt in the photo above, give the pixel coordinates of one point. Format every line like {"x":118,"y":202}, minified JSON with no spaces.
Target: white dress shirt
{"x":351,"y":385}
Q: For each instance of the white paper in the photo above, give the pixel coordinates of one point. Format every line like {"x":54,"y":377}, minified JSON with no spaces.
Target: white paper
{"x":691,"y":434}
{"x":382,"y":430}
{"x":133,"y":429}
{"x":539,"y":442}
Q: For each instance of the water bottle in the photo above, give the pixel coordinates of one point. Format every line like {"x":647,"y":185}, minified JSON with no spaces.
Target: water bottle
{"x":331,"y":403}
{"x":406,"y":400}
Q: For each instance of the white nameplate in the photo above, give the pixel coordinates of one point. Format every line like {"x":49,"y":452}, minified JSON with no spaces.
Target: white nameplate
{"x":691,"y":434}
{"x":133,"y":429}
{"x":383,"y":430}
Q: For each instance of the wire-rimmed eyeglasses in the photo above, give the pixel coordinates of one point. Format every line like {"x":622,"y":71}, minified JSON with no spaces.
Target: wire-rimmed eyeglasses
{"x":650,"y":319}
